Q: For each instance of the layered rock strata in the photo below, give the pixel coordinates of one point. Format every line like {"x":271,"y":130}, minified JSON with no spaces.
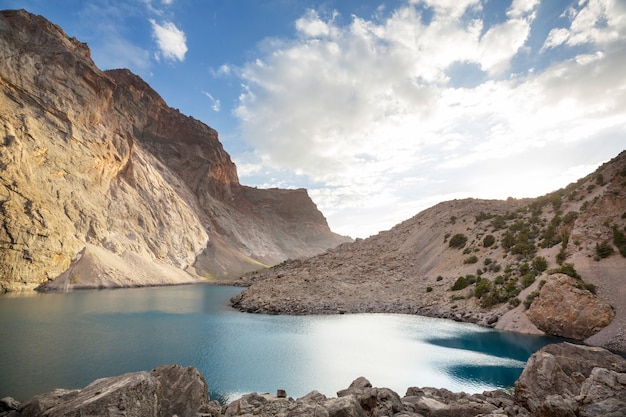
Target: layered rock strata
{"x":96,"y":161}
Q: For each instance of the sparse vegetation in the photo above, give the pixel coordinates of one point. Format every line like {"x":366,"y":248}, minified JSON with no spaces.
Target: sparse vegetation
{"x":604,"y":250}
{"x":488,"y":241}
{"x":460,"y":284}
{"x":471,"y":260}
{"x":568,"y":269}
{"x":619,"y":240}
{"x":528,"y":280}
{"x":530,"y":298}
{"x":539,"y":265}
{"x":458,"y":241}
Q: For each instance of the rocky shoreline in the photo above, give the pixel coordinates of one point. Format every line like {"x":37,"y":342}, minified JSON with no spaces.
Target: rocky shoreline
{"x":559,"y":380}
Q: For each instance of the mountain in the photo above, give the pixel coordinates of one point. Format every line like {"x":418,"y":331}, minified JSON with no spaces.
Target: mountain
{"x":102,"y":184}
{"x":482,"y":261}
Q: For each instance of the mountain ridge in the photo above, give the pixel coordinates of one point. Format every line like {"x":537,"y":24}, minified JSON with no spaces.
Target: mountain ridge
{"x":480,"y":261}
{"x":95,"y":165}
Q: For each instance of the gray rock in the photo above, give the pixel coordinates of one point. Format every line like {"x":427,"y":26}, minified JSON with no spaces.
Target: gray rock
{"x":8,"y":404}
{"x":347,"y":406}
{"x":603,"y":394}
{"x":165,"y":391}
{"x":565,"y":376}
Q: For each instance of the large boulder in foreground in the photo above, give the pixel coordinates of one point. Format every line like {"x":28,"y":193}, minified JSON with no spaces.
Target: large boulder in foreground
{"x":164,"y":391}
{"x":572,"y":380}
{"x":563,"y":309}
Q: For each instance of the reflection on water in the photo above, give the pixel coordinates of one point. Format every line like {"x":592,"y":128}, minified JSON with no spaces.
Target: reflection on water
{"x":68,"y":340}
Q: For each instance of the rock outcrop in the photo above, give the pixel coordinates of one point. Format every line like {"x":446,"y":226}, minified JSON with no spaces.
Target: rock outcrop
{"x":566,"y":310}
{"x":498,"y":251}
{"x":571,"y":380}
{"x":559,"y":380}
{"x":164,"y":391}
{"x":93,"y":159}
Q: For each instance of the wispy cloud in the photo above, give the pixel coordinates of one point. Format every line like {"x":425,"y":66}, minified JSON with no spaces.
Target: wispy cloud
{"x":371,"y":109}
{"x":215,"y":103}
{"x":172,"y":41}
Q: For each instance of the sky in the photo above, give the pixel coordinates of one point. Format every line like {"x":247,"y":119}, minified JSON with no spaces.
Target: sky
{"x":380,"y":109}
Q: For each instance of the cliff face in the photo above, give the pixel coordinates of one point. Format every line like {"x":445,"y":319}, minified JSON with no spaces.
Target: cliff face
{"x":95,"y":165}
{"x":482,"y":261}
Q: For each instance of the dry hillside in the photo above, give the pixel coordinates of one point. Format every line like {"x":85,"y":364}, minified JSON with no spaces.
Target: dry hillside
{"x":481,"y":261}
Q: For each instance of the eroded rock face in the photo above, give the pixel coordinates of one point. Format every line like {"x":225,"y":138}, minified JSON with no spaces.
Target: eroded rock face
{"x":98,"y":158}
{"x":164,"y":391}
{"x":563,"y":378}
{"x":562,"y":309}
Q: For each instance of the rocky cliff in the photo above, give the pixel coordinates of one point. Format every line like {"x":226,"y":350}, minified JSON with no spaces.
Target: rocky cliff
{"x":102,"y":184}
{"x":482,"y":261}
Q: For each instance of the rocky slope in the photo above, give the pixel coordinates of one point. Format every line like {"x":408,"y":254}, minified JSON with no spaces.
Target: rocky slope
{"x":95,"y":166}
{"x":479,"y":261}
{"x":559,"y":380}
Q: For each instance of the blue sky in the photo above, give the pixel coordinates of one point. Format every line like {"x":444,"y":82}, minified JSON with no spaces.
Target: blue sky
{"x":380,"y":108}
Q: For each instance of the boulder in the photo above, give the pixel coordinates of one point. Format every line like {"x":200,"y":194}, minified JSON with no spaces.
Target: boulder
{"x":562,"y":309}
{"x":565,"y":377}
{"x":165,"y":391}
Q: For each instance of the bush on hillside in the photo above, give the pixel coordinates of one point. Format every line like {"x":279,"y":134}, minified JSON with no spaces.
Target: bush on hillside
{"x":489,"y":240}
{"x":458,"y":241}
{"x":604,"y":249}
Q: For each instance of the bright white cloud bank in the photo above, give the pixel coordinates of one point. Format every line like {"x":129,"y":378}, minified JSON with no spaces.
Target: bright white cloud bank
{"x":171,"y":40}
{"x":374,"y":114}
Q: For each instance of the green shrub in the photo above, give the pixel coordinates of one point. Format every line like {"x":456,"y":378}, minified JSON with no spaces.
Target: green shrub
{"x":514,"y":301}
{"x":619,"y":240}
{"x":483,"y":216}
{"x":459,"y":284}
{"x":530,"y":298}
{"x":604,"y":249}
{"x":439,"y":278}
{"x":499,"y":280}
{"x":539,"y":265}
{"x":528,"y":280}
{"x":488,"y":241}
{"x":568,"y":269}
{"x":487,"y":261}
{"x":429,"y":289}
{"x":482,"y":287}
{"x":587,"y":286}
{"x":458,"y":241}
{"x":498,"y":223}
{"x":471,"y":260}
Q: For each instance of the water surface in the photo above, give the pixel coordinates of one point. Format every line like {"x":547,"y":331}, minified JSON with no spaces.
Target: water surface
{"x":51,"y":341}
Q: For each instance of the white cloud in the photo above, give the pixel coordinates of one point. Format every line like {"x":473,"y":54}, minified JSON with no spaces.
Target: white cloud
{"x":215,"y":103}
{"x":312,"y":26}
{"x":171,"y":40}
{"x":596,"y":22}
{"x":369,"y":111}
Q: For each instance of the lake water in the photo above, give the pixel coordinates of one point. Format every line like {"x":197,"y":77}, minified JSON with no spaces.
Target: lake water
{"x":51,"y":341}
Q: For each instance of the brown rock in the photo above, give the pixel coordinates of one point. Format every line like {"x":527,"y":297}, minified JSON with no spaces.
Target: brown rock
{"x":165,"y":391}
{"x":97,"y":160}
{"x":562,"y":309}
{"x":561,"y":370}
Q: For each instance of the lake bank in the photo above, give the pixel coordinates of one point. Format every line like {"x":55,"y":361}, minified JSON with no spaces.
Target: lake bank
{"x":67,"y":340}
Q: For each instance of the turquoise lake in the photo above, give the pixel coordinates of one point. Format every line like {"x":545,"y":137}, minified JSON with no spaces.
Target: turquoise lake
{"x":52,"y":341}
